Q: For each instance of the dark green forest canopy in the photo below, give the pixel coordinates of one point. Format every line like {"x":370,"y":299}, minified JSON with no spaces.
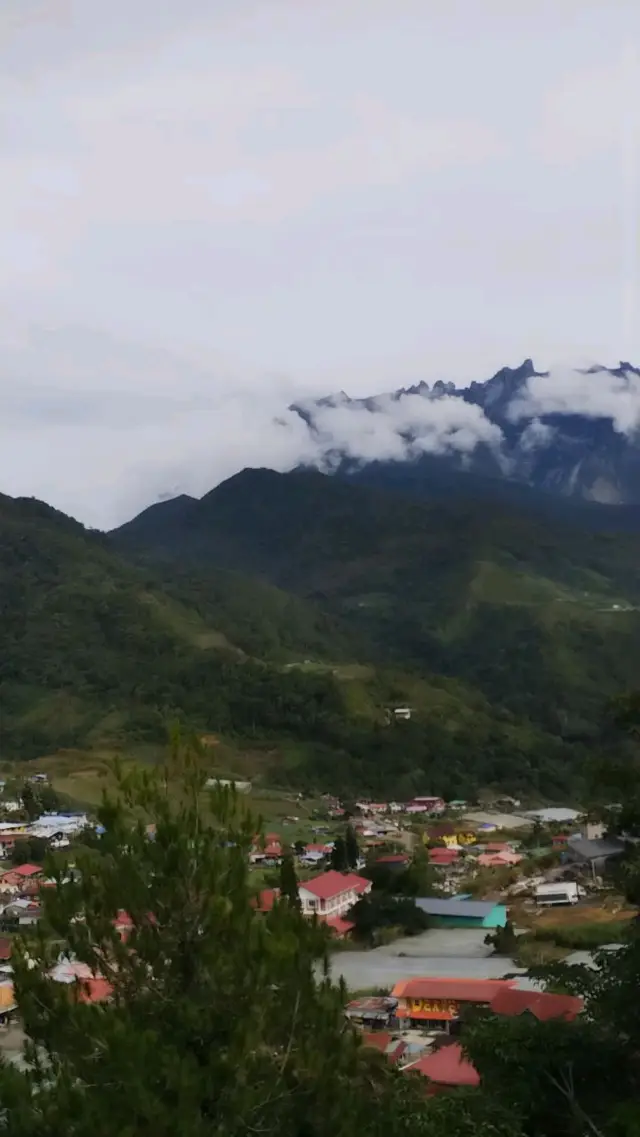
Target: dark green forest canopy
{"x":288,"y":612}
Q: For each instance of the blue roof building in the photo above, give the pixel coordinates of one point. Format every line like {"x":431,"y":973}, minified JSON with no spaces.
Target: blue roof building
{"x":452,"y":913}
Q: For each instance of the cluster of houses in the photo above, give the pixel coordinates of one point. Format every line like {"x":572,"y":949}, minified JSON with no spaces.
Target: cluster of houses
{"x":418,"y":1026}
{"x":57,"y":829}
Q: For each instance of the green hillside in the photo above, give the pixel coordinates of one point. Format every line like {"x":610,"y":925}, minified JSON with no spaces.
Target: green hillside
{"x":100,"y":652}
{"x":542,"y":618}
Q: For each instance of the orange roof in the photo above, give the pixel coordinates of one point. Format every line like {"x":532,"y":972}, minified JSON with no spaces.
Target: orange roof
{"x":338,"y":925}
{"x":96,"y":990}
{"x":266,"y":899}
{"x":542,"y":1004}
{"x":27,"y":870}
{"x":498,"y":860}
{"x":456,"y":990}
{"x":378,"y":1039}
{"x":447,"y":1066}
{"x":7,"y":997}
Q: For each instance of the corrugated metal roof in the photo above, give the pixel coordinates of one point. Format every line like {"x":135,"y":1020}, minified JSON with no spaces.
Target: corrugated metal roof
{"x":476,"y":909}
{"x":544,"y":1005}
{"x":459,"y":990}
{"x":595,"y":848}
{"x":447,"y":1066}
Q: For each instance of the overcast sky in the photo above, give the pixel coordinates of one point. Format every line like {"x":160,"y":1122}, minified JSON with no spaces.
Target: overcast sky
{"x":208,"y":207}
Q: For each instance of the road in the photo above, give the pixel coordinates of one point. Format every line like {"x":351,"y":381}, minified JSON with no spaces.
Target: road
{"x":456,"y":953}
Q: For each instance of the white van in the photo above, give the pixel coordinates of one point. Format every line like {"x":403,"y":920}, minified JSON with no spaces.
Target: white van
{"x":559,"y":892}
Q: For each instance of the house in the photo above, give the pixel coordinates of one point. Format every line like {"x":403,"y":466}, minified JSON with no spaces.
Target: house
{"x":27,"y":872}
{"x":430,"y":803}
{"x":595,"y":855}
{"x":93,"y":990}
{"x":541,"y":1004}
{"x":381,"y":1040}
{"x":266,"y":899}
{"x":14,"y":880}
{"x":498,"y":860}
{"x":338,"y":926}
{"x":554,"y":815}
{"x":450,"y":834}
{"x":443,"y":857}
{"x":438,"y":1002}
{"x":26,"y":912}
{"x":332,"y":893}
{"x":463,"y":913}
{"x":402,"y":714}
{"x":445,"y":1068}
{"x":372,"y":1011}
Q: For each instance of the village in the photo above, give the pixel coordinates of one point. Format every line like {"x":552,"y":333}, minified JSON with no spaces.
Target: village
{"x":482,"y":893}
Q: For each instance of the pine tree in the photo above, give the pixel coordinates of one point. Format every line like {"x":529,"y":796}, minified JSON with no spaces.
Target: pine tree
{"x":339,"y":860}
{"x":216,"y":1025}
{"x":289,"y":881}
{"x":351,"y":847}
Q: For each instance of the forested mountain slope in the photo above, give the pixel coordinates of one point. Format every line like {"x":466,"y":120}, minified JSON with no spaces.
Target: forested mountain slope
{"x":542,"y":617}
{"x":101,"y":652}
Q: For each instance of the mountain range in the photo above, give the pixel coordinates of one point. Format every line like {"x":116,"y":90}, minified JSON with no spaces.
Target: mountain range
{"x":286,"y":614}
{"x":523,"y":434}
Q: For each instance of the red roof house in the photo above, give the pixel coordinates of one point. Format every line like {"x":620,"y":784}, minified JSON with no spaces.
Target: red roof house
{"x":332,"y":893}
{"x":339,"y":926}
{"x":94,"y":990}
{"x":446,"y":1067}
{"x":498,"y":860}
{"x":542,"y":1004}
{"x":442,"y":856}
{"x":266,"y":899}
{"x":440,"y":1000}
{"x":382,"y":1040}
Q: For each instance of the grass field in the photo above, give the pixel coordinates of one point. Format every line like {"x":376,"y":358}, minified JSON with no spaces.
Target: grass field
{"x":83,"y":778}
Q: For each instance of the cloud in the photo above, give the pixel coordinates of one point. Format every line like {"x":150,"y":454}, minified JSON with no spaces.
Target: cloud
{"x":152,"y":423}
{"x":596,"y":394}
{"x":395,"y":429}
{"x":535,"y":435}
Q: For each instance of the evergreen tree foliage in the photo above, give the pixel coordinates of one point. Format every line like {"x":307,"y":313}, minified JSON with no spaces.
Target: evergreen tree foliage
{"x":289,"y":881}
{"x":352,"y":848}
{"x":339,"y":859}
{"x":221,"y":1021}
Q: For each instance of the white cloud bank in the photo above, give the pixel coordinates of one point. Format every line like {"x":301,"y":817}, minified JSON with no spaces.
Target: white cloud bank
{"x":151,"y":424}
{"x":398,"y":429}
{"x":598,"y":394}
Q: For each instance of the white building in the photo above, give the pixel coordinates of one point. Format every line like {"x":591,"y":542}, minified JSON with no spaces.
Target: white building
{"x":332,"y":893}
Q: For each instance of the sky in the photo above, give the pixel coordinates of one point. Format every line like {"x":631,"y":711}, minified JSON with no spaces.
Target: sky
{"x":209,"y":210}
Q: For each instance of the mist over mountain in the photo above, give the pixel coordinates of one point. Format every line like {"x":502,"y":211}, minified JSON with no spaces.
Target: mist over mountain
{"x":572,"y":433}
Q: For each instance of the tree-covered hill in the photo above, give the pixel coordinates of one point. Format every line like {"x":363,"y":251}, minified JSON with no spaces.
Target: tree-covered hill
{"x":99,"y":652}
{"x":542,"y":617}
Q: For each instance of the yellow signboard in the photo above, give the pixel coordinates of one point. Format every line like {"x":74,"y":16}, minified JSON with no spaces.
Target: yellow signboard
{"x":432,"y":1008}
